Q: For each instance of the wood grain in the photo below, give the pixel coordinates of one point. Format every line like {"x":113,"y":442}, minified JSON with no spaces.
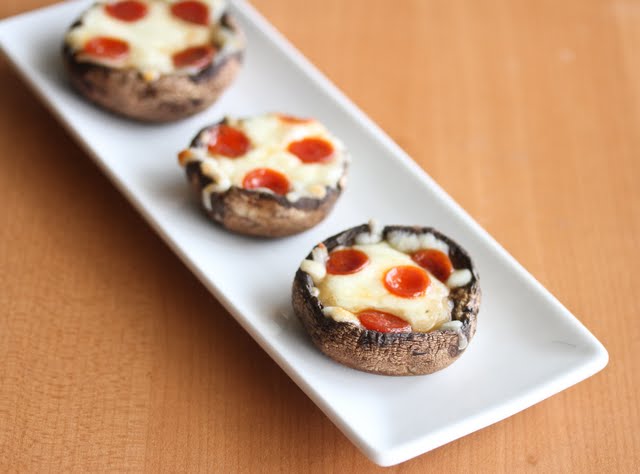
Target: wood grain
{"x":114,"y":357}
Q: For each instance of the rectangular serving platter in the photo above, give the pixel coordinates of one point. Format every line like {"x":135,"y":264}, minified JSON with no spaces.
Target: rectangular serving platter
{"x":527,"y":348}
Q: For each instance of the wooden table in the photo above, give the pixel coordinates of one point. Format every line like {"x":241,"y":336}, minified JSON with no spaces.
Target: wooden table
{"x":115,"y":358}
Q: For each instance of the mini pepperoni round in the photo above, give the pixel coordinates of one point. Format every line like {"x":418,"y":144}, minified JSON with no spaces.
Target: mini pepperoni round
{"x":382,"y":322}
{"x":191,"y":11}
{"x":196,"y":56}
{"x":406,"y":281}
{"x":127,"y":10}
{"x":293,"y":119}
{"x":346,"y":261}
{"x":228,"y":141}
{"x":437,"y":262}
{"x":106,"y":47}
{"x":266,"y":178}
{"x":312,"y":150}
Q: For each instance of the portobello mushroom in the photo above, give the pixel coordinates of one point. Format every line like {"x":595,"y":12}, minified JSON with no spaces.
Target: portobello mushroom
{"x":270,"y":176}
{"x":397,"y":347}
{"x":154,"y":60}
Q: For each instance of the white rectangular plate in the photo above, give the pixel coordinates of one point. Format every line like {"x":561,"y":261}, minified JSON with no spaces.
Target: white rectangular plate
{"x":527,"y":348}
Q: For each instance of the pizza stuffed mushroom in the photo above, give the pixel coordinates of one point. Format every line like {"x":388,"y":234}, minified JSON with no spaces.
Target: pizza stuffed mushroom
{"x":390,"y":300}
{"x":271,"y":175}
{"x":154,"y":60}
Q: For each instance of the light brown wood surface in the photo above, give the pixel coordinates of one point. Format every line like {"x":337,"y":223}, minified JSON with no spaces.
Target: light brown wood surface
{"x":113,"y":357}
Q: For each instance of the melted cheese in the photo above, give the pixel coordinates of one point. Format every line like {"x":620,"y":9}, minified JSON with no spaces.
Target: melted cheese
{"x":408,"y":242}
{"x":153,"y":39}
{"x":372,"y":236}
{"x":341,"y":315}
{"x":459,"y":278}
{"x":270,"y":137}
{"x":365,"y":289}
{"x":456,"y":326}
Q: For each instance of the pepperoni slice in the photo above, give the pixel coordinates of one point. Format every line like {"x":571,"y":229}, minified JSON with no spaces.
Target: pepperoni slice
{"x":346,"y":261}
{"x":106,"y":47}
{"x":406,"y":281}
{"x":228,"y":141}
{"x":191,"y":11}
{"x":266,"y":178}
{"x":437,"y":262}
{"x":292,"y":119}
{"x":312,"y":150}
{"x":127,"y":10}
{"x":382,"y":322}
{"x":196,"y":56}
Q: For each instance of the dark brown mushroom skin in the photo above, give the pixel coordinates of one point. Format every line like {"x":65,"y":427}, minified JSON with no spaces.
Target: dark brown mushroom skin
{"x":413,"y":353}
{"x":168,"y":98}
{"x":257,"y":213}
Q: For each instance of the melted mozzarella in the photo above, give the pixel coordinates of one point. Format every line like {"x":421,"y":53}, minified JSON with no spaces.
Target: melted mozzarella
{"x":365,"y":289}
{"x":459,"y":278}
{"x":270,"y":136}
{"x":340,"y":315}
{"x":410,"y":242}
{"x":372,"y":236}
{"x":152,"y":40}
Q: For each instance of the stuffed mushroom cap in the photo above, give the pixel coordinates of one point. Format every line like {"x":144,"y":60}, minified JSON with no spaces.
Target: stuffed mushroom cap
{"x":375,"y":330}
{"x":270,"y":175}
{"x":154,"y":60}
